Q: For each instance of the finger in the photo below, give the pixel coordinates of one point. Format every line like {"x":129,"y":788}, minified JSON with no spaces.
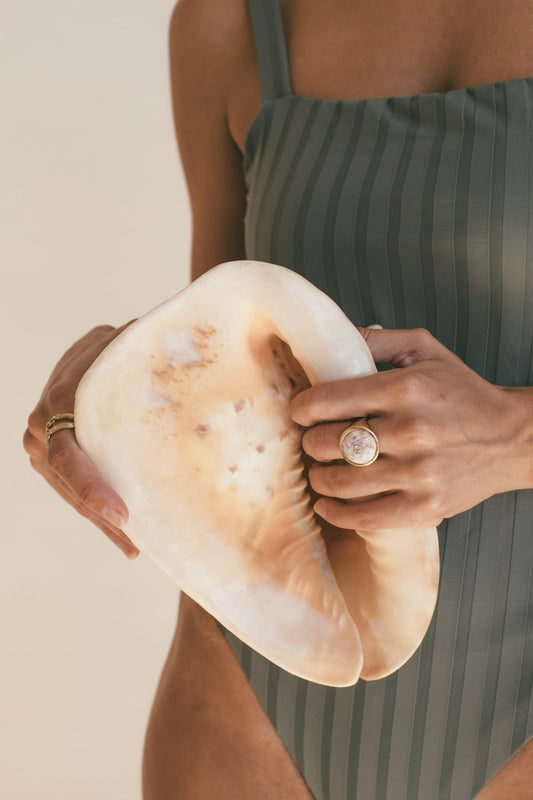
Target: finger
{"x":382,"y":513}
{"x":117,"y":536}
{"x":402,"y":347}
{"x":397,"y":437}
{"x":321,"y":442}
{"x":71,"y":464}
{"x":407,"y":434}
{"x":349,"y":398}
{"x":31,"y":444}
{"x":347,"y":482}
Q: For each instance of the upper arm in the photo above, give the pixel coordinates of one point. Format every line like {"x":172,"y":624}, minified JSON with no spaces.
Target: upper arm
{"x":203,"y":69}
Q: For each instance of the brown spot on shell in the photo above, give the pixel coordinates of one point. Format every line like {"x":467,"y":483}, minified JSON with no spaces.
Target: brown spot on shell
{"x":162,"y":374}
{"x":234,"y":468}
{"x":202,"y":430}
{"x":205,"y":331}
{"x":260,"y":448}
{"x":238,"y":405}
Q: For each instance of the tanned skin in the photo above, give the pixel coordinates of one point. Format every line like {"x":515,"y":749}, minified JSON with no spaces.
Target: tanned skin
{"x":208,"y":735}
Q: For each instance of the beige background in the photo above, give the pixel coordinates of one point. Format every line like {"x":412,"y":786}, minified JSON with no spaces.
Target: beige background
{"x":95,"y":229}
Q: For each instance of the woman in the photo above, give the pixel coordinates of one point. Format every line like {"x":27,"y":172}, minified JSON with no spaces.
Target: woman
{"x":408,"y":201}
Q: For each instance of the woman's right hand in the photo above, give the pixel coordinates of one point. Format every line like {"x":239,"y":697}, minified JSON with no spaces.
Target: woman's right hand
{"x":62,"y":463}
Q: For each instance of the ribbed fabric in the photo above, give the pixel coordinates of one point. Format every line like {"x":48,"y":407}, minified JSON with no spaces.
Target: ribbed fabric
{"x":412,"y":211}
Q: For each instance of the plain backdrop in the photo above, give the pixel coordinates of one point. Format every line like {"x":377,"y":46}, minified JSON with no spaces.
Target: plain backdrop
{"x":94,"y":229}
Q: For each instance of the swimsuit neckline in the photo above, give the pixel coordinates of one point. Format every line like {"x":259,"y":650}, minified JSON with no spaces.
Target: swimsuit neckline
{"x":383,"y":100}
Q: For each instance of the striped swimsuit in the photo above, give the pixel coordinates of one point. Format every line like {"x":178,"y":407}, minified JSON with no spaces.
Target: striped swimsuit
{"x":412,"y":211}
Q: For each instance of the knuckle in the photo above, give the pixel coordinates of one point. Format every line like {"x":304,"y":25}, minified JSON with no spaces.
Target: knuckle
{"x":426,"y":345}
{"x":426,"y":470}
{"x":424,"y":336}
{"x":433,"y":504}
{"x":338,"y":480}
{"x":88,"y":492}
{"x":29,"y":442}
{"x":36,"y":422}
{"x":420,"y":434}
{"x":410,"y":385}
{"x":55,"y":396}
{"x":404,"y":433}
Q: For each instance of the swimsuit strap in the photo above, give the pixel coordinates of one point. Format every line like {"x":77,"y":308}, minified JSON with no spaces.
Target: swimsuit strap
{"x":271,"y":48}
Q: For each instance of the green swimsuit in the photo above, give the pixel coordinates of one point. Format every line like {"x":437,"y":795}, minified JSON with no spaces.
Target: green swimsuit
{"x":412,"y":211}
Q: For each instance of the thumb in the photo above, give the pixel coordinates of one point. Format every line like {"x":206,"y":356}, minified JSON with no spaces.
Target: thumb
{"x":401,"y":347}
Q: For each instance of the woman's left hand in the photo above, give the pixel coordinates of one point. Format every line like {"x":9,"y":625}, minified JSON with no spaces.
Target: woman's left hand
{"x":448,"y":438}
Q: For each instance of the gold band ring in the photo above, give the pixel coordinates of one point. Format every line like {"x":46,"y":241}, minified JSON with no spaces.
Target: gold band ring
{"x":358,"y":444}
{"x":59,"y":422}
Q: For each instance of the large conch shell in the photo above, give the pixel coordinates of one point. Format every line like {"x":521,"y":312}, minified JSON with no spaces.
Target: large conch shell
{"x":186,"y":416}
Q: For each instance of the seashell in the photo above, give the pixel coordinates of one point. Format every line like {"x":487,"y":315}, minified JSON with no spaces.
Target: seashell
{"x":186,"y":416}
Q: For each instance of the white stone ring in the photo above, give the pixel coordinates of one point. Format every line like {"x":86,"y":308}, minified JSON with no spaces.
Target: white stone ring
{"x":359,"y":445}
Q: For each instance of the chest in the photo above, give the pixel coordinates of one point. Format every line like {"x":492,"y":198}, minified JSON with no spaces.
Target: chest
{"x":408,"y":211}
{"x":353,"y":49}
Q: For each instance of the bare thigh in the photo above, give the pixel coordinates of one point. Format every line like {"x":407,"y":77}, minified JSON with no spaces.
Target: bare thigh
{"x":209,"y":737}
{"x":515,"y":780}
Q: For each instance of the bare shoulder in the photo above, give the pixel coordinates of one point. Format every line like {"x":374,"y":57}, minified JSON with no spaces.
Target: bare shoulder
{"x":213,"y":60}
{"x":209,"y":43}
{"x":210,"y":33}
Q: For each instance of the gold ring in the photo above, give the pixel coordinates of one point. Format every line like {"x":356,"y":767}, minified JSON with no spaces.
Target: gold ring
{"x":59,"y":422}
{"x":359,"y":445}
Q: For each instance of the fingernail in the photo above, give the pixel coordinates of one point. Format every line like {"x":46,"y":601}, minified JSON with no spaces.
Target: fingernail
{"x":114,"y":517}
